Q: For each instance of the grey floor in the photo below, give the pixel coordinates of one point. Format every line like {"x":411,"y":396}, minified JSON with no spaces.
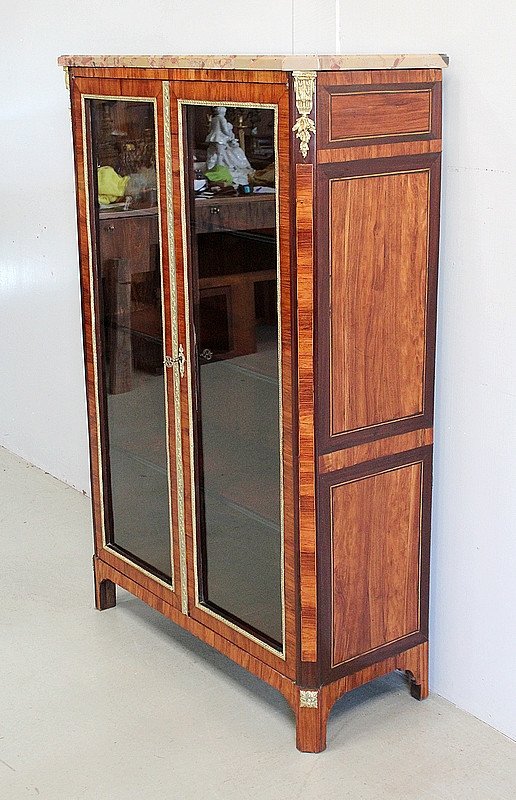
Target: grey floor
{"x":122,"y":705}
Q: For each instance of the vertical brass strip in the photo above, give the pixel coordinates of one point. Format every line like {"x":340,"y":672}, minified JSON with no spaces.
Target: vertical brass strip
{"x":175,"y":348}
{"x":163,"y":328}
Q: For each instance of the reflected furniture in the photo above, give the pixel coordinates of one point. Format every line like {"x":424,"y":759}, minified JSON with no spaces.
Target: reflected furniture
{"x":260,"y":368}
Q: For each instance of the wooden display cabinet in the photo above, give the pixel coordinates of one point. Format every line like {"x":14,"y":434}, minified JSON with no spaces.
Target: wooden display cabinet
{"x":270,"y":492}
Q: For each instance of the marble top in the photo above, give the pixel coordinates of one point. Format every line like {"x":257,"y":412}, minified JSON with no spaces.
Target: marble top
{"x":286,"y":63}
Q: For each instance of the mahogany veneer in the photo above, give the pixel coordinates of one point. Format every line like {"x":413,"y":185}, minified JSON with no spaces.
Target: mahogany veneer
{"x":358,"y":211}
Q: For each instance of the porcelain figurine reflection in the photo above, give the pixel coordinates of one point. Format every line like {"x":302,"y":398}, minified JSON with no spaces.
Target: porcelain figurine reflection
{"x":224,"y":149}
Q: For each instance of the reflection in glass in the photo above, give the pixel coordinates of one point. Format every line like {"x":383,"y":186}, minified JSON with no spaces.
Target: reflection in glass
{"x":231,"y":176}
{"x":128,"y":262}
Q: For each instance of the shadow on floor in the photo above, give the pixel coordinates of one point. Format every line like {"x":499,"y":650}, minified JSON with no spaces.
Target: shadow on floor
{"x":358,"y":698}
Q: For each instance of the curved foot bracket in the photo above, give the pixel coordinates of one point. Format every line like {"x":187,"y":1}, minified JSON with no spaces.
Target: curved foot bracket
{"x":311,"y":719}
{"x":105,"y":590}
{"x":415,"y":664}
{"x":313,"y":706}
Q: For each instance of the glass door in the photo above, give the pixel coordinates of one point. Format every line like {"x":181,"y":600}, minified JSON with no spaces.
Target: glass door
{"x":124,"y":218}
{"x":230,"y":186}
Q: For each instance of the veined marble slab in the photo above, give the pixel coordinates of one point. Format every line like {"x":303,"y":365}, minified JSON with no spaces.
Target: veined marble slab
{"x":284,"y":63}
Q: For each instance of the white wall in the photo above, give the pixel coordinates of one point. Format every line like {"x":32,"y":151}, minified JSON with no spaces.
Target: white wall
{"x":42,"y":397}
{"x":473,"y":599}
{"x":42,"y":403}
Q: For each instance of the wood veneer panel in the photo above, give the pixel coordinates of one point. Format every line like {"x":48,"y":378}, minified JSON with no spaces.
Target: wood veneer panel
{"x":152,"y":73}
{"x":305,"y":324}
{"x":376,"y":532}
{"x":378,"y":288}
{"x":373,"y":108}
{"x":360,"y":153}
{"x":363,"y":114}
{"x":358,"y":77}
{"x":341,"y":459}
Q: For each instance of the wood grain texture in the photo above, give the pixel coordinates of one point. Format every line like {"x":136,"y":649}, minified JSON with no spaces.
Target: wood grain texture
{"x":366,"y":114}
{"x":305,"y":326}
{"x":235,"y":213}
{"x":87,"y":301}
{"x":415,"y":664}
{"x":221,"y":93}
{"x":359,"y":77}
{"x":376,"y":562}
{"x":340,"y":459}
{"x":311,"y":722}
{"x":379,"y":236}
{"x":130,"y":237}
{"x":379,"y":247}
{"x":375,"y":524}
{"x":167,"y":74}
{"x":105,"y":590}
{"x":118,"y":313}
{"x":367,"y":534}
{"x":375,"y":108}
{"x":360,"y":153}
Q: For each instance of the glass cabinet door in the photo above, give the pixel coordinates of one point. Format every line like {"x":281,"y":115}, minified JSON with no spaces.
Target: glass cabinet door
{"x":126,"y":224}
{"x":229,"y":164}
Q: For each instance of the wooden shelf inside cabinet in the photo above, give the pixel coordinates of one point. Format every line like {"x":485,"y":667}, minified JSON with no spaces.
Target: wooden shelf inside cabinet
{"x":247,"y":213}
{"x":260,"y":368}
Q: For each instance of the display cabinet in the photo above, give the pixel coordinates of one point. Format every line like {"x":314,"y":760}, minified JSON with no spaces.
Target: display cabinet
{"x":258,"y":244}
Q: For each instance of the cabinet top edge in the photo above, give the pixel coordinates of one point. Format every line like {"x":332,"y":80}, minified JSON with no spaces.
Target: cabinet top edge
{"x":286,"y":63}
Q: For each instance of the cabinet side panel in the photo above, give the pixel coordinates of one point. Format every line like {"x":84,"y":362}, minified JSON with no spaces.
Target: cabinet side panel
{"x":354,"y":115}
{"x":377,"y":108}
{"x":375,"y":524}
{"x":375,"y":520}
{"x":377,"y":249}
{"x":379,"y":252}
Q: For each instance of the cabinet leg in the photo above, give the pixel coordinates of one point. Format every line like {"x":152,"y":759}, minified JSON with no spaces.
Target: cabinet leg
{"x":105,"y":595}
{"x":416,"y":668}
{"x":311,"y":719}
{"x":105,"y":591}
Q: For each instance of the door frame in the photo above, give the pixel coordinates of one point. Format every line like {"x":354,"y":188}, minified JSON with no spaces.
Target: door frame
{"x":84,"y":89}
{"x":276,"y":96}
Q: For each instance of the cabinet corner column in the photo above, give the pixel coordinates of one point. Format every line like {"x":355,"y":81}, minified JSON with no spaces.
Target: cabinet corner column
{"x":303,"y":160}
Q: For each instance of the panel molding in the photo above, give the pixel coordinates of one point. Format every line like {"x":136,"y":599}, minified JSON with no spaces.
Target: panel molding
{"x":389,"y":105}
{"x":331,"y":439}
{"x":415,"y":467}
{"x":334,"y":668}
{"x":399,"y":95}
{"x":391,"y":445}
